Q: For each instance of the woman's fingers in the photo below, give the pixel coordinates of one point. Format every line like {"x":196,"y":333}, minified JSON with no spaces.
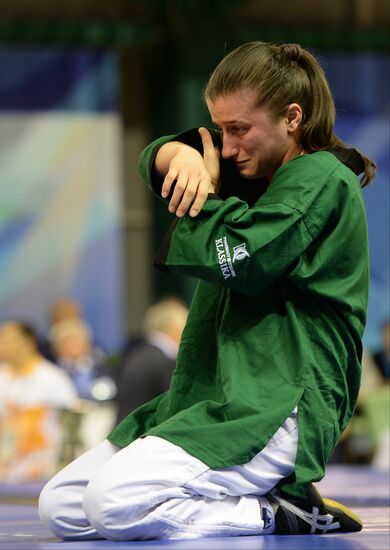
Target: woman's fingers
{"x":189,"y":195}
{"x":167,"y":183}
{"x":178,"y":192}
{"x":207,"y":141}
{"x":201,"y":196}
{"x":187,"y":198}
{"x":210,"y":156}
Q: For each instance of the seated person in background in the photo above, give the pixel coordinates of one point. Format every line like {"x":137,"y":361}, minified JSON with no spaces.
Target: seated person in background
{"x":74,"y":351}
{"x":32,"y":393}
{"x":357,"y":444}
{"x":64,"y":309}
{"x":382,"y":356}
{"x":148,"y":364}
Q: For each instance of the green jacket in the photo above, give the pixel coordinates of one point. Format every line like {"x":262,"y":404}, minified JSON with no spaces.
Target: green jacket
{"x":277,"y":317}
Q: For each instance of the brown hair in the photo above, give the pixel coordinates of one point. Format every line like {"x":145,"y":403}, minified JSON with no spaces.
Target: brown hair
{"x":282,"y":75}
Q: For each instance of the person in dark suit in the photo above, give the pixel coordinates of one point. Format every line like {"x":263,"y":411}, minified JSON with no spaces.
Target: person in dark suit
{"x":382,"y":356}
{"x":149,"y":363}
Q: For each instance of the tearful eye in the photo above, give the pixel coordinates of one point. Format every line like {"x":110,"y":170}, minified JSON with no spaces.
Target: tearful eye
{"x":239,"y":130}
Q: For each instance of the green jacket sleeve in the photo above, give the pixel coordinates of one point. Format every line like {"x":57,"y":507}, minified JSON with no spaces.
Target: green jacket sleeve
{"x":232,"y":245}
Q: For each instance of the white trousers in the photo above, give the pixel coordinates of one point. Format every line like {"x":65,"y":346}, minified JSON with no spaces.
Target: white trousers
{"x":153,"y":489}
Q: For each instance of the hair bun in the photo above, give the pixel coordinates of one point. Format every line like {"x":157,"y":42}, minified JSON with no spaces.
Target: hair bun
{"x":292,"y":51}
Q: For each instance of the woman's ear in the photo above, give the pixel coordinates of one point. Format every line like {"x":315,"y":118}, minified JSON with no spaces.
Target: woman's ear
{"x":293,"y":117}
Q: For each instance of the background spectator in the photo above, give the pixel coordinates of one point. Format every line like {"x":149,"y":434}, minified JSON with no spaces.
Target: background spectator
{"x":366,"y":439}
{"x":62,"y":310}
{"x":32,"y":393}
{"x":382,"y":356}
{"x":150,"y":360}
{"x":91,"y":372}
{"x":85,"y":363}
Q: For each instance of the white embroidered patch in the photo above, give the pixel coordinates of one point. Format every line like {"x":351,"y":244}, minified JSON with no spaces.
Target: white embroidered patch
{"x":240,"y":252}
{"x":224,"y":258}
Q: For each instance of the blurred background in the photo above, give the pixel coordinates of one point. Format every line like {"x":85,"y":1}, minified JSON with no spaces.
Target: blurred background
{"x":84,"y":86}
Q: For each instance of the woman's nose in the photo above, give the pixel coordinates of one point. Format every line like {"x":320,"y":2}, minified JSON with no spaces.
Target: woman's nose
{"x":229,"y":149}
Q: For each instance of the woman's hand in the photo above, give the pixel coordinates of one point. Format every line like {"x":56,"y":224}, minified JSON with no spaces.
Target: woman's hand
{"x":195,"y":176}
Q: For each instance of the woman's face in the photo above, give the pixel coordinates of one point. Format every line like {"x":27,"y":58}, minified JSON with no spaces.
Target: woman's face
{"x":251,"y":137}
